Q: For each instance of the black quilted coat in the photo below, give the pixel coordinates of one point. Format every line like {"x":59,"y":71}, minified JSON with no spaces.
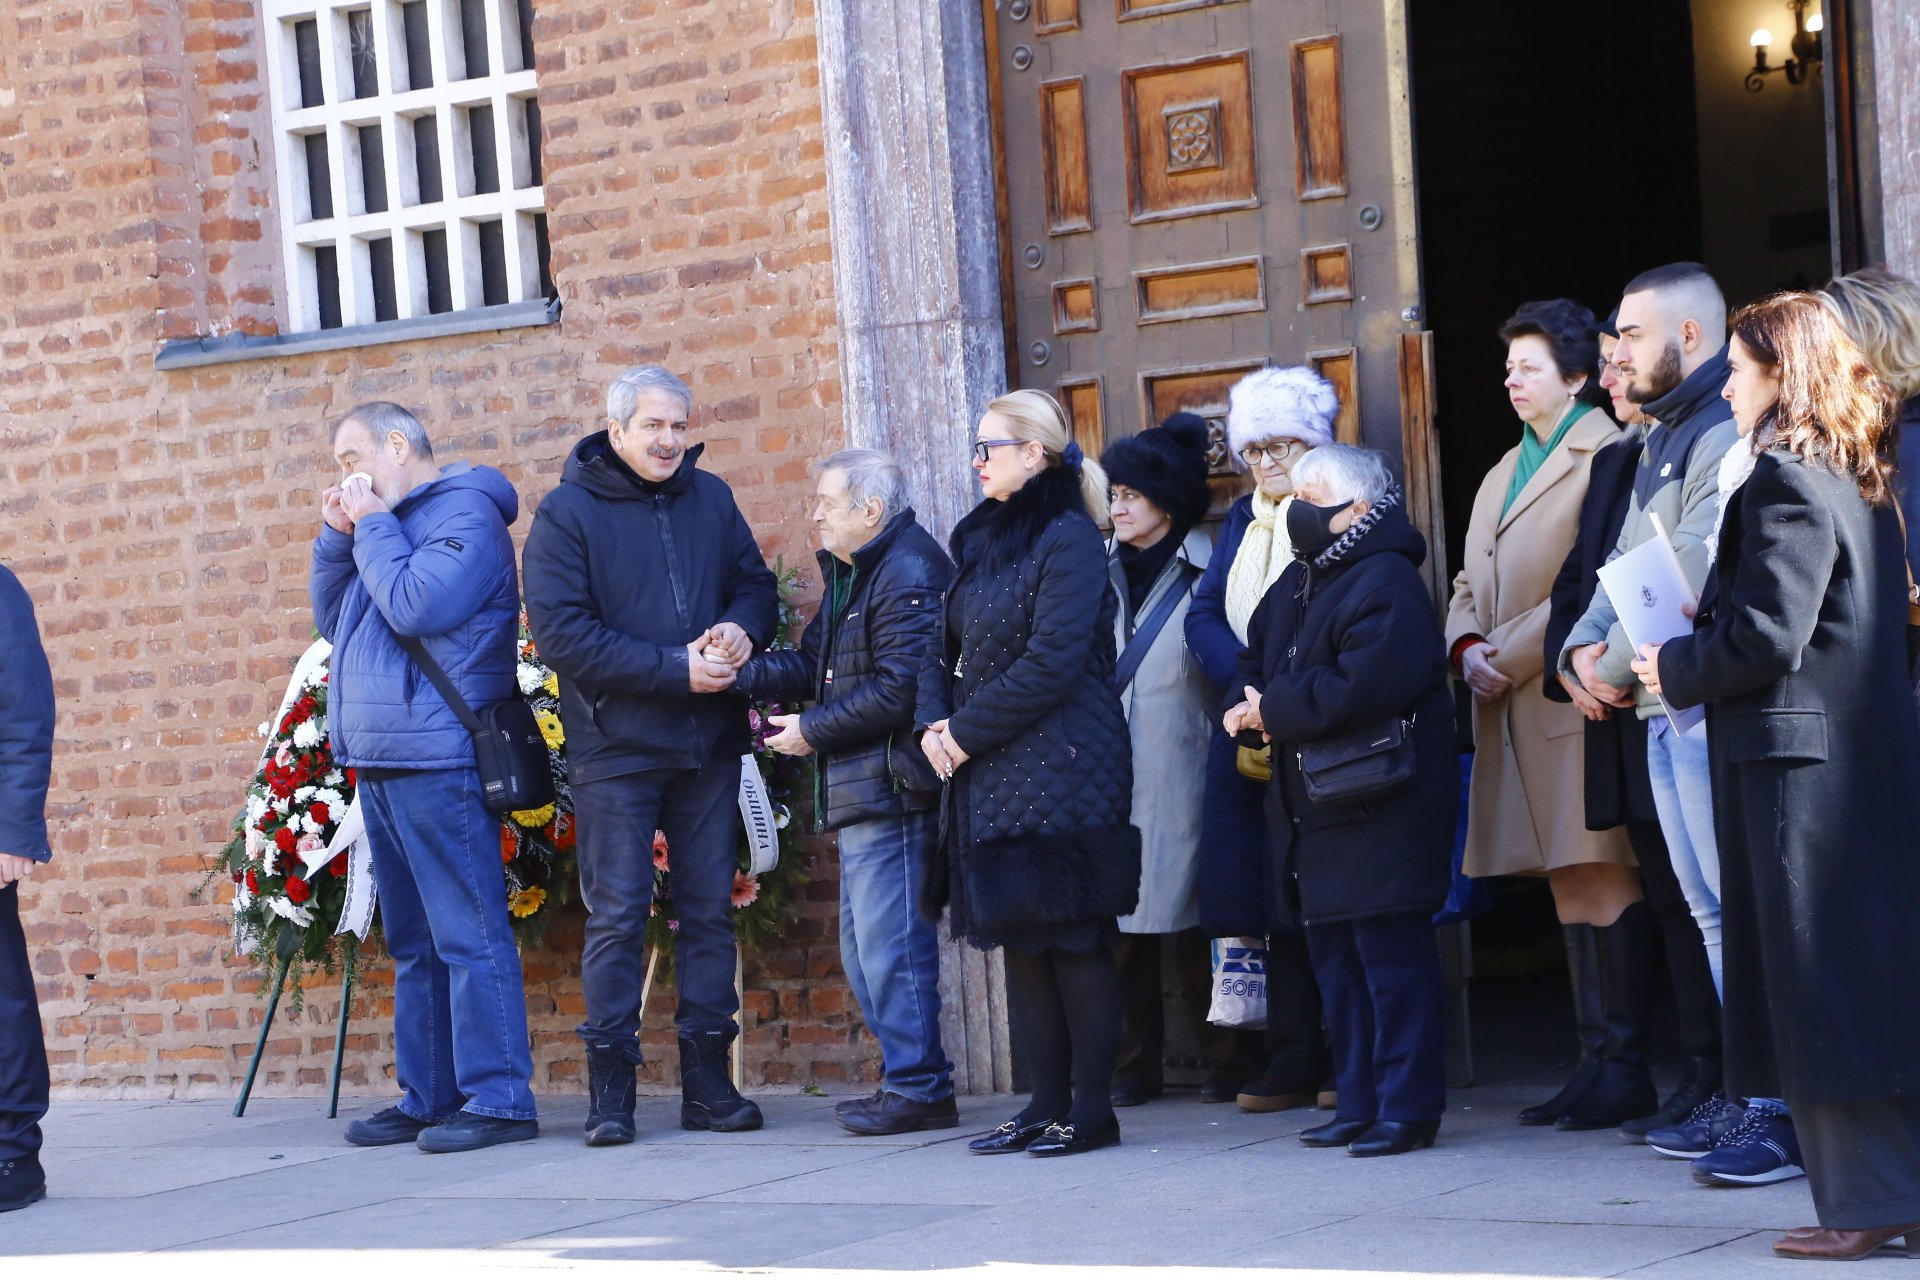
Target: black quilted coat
{"x":860,"y":663}
{"x":1038,"y":847}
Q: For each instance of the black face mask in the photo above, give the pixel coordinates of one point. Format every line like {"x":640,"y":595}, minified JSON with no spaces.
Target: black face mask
{"x":1310,"y":528}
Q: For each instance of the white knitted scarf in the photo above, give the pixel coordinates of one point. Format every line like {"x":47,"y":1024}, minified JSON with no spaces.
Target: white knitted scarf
{"x":1735,"y":467}
{"x":1264,"y":554}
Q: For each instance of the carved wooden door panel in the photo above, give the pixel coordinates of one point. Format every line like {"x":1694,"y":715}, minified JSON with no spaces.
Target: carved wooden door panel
{"x":1196,"y":187}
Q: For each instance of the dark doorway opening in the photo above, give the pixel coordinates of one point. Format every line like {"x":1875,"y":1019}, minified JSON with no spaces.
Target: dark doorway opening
{"x":1560,"y":150}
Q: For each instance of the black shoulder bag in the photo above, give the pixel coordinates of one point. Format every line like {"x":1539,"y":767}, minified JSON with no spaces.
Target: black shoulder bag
{"x":1361,"y":764}
{"x":507,"y":746}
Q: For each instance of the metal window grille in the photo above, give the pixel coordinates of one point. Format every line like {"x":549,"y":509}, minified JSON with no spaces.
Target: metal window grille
{"x":408,"y":137}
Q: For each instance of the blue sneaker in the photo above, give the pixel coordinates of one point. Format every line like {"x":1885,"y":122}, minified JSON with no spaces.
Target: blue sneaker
{"x":1700,"y":1131}
{"x":1761,"y":1148}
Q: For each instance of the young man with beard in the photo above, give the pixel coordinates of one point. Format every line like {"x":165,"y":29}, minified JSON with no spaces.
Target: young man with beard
{"x":647,"y":593}
{"x":1672,"y":353}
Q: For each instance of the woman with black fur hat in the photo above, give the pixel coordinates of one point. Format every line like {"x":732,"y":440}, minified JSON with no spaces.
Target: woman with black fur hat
{"x":1158,"y":490}
{"x":1021,"y":718}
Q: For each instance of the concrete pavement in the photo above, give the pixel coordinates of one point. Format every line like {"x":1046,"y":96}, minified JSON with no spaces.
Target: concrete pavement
{"x":193,"y":1191}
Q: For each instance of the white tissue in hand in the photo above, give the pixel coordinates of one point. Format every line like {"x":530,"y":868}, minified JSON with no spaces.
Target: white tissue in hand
{"x":358,"y":475}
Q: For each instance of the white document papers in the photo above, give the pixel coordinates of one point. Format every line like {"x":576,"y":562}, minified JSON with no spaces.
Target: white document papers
{"x":1651,"y":594}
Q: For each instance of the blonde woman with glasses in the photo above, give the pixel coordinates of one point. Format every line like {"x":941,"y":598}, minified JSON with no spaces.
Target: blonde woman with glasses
{"x":1021,"y":718}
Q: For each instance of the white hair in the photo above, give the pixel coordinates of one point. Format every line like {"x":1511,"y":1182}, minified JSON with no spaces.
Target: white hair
{"x":624,"y":395}
{"x":381,"y":418}
{"x":1347,"y":472}
{"x":1281,"y":404}
{"x":870,"y":474}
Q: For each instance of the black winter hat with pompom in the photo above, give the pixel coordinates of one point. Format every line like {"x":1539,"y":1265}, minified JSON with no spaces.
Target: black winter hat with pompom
{"x":1167,"y":465}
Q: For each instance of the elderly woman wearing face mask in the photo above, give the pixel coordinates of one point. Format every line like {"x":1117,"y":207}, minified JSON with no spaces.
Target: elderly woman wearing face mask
{"x":1343,"y":658}
{"x":1274,"y":416}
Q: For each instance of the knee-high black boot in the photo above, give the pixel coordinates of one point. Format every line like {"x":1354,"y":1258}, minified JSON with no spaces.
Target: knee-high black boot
{"x":1583,"y":968}
{"x":1623,"y":1089}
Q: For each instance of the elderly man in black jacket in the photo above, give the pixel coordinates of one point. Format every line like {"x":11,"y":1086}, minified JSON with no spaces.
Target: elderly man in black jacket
{"x":26,"y":764}
{"x":884,"y":579}
{"x":647,"y":593}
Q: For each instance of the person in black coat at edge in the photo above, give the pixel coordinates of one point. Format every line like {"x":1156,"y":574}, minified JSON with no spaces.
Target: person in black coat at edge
{"x":646,"y":593}
{"x":1022,"y":718}
{"x":1348,"y":639}
{"x":1799,"y":654}
{"x":884,"y":581}
{"x":26,"y":767}
{"x":1618,"y":793}
{"x":1880,"y":311}
{"x":1274,"y":416}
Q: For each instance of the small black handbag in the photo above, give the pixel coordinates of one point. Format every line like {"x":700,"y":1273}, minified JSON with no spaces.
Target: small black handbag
{"x":515,"y":769}
{"x":1362,"y":764}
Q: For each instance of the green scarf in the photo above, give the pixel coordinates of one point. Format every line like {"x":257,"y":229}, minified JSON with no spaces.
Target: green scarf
{"x":1533,"y":453}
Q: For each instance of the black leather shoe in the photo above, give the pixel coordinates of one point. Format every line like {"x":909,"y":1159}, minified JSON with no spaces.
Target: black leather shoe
{"x":1334,"y":1133}
{"x":1221,"y":1090}
{"x":1010,"y":1136}
{"x":389,"y":1128}
{"x":469,"y":1132}
{"x":1065,"y":1139}
{"x":21,"y":1183}
{"x":845,"y":1105}
{"x":1394,"y":1138}
{"x":1132,"y":1093}
{"x":892,"y":1113}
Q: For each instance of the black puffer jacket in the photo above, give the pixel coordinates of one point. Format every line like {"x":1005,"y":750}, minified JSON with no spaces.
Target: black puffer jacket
{"x":1037,"y":835}
{"x":860,"y":662}
{"x":1334,"y":650}
{"x":621,"y":576}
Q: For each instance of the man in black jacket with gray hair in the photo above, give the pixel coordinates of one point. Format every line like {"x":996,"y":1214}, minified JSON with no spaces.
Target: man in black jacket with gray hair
{"x":646,"y":593}
{"x":883,"y":583}
{"x":26,"y":766}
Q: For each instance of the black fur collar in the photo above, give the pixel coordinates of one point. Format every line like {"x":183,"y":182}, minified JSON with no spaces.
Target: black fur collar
{"x":996,"y":534}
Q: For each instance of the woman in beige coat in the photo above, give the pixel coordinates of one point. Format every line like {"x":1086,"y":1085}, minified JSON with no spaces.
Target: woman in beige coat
{"x":1526,"y":809}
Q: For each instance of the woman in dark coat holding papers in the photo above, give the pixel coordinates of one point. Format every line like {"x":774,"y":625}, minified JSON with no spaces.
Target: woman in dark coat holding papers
{"x":1799,"y":654}
{"x":1346,"y":644}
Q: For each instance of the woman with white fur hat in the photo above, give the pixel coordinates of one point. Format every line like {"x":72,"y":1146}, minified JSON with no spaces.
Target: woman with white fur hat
{"x":1274,"y":416}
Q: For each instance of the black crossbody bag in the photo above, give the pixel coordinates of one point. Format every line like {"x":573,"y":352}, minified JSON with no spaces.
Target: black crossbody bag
{"x":1359,"y":765}
{"x":507,"y":746}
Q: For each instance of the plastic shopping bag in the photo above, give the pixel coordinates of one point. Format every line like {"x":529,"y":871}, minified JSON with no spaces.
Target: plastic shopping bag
{"x":1239,"y":983}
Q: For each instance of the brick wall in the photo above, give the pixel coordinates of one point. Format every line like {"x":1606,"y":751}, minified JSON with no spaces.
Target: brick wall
{"x":161,"y":521}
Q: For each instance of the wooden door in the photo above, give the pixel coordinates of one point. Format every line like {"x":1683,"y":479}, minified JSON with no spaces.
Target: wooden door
{"x":1194,"y":188}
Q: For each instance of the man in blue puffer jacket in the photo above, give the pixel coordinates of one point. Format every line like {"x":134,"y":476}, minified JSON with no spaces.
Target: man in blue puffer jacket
{"x":411,"y":548}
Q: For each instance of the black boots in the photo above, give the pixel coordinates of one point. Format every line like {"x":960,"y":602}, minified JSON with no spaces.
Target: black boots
{"x":1583,"y":967}
{"x":1622,"y":1090}
{"x":1701,"y":1081}
{"x":610,"y":1095}
{"x":708,"y":1099}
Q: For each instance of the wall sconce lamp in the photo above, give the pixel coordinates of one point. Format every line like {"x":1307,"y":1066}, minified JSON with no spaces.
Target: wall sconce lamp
{"x":1805,"y":47}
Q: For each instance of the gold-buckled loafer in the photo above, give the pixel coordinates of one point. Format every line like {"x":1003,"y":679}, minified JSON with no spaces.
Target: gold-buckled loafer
{"x":1010,"y":1136}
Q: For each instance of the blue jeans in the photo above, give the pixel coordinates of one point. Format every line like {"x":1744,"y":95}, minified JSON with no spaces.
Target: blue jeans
{"x":1683,"y":797}
{"x":1385,"y":999}
{"x":459,"y":1004}
{"x":890,"y":952}
{"x":699,"y":810}
{"x":23,"y":1054}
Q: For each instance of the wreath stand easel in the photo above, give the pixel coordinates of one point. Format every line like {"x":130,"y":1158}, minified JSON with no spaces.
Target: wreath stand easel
{"x":738,"y":1059}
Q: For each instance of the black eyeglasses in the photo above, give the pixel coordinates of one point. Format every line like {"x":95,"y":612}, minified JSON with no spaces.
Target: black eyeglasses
{"x":1275,"y":453}
{"x":981,"y":447}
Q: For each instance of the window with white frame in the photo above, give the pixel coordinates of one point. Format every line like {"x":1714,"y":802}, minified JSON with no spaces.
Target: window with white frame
{"x":408,"y":135}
